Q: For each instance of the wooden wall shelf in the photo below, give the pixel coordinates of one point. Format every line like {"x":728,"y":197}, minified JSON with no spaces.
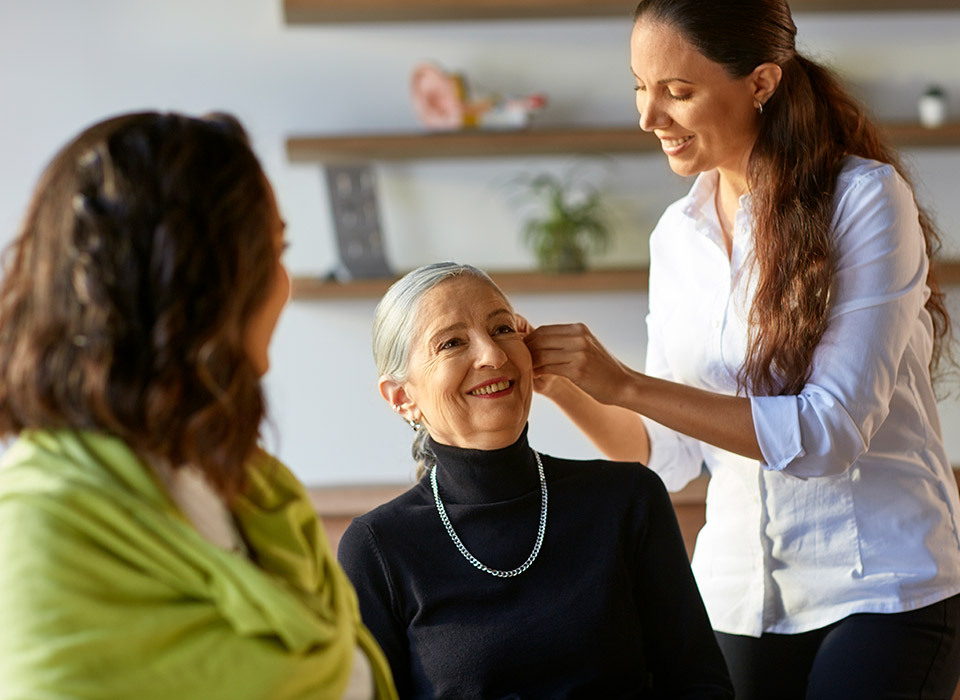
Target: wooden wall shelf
{"x":349,"y":148}
{"x":469,"y":144}
{"x":513,"y":282}
{"x":333,"y":11}
{"x":603,"y":280}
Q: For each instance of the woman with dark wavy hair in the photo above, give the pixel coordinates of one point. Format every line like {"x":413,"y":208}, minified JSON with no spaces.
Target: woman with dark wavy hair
{"x":148,"y":547}
{"x":794,"y":325}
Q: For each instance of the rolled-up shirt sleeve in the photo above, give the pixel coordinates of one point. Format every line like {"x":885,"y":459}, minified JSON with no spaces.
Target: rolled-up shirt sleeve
{"x":876,"y":315}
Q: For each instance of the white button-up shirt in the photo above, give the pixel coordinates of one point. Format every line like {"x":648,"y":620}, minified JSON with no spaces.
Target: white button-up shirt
{"x":854,"y":507}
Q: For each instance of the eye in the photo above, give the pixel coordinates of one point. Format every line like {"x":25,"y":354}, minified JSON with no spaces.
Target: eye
{"x":680,"y":98}
{"x":640,"y":88}
{"x":505,"y":328}
{"x":448,"y":344}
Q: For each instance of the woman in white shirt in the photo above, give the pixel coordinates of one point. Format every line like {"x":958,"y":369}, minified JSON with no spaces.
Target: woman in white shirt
{"x":793,"y":327}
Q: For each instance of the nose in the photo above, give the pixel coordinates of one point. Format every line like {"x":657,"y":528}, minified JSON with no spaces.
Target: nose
{"x":489,"y":353}
{"x":652,"y":115}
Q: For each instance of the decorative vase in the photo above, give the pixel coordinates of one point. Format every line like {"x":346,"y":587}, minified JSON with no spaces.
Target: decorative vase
{"x":933,"y":107}
{"x":565,"y":259}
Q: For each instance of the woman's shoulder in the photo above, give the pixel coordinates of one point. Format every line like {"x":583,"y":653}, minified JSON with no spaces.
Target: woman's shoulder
{"x":55,"y":472}
{"x":392,"y":531}
{"x":872,"y":195}
{"x":397,"y":512}
{"x":862,"y":176}
{"x":630,"y":479}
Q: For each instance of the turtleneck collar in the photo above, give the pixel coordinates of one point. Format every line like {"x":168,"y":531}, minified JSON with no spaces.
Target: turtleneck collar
{"x":485,"y":476}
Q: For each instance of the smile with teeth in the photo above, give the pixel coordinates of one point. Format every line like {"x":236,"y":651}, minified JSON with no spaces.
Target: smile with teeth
{"x":673,"y":143}
{"x":491,"y":388}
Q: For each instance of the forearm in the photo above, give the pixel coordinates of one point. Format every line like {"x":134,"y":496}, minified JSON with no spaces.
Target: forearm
{"x":717,"y":419}
{"x":617,"y":432}
{"x":572,"y":353}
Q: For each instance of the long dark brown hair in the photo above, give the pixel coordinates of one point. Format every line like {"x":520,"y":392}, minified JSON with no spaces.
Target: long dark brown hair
{"x":808,"y":126}
{"x":146,"y":248}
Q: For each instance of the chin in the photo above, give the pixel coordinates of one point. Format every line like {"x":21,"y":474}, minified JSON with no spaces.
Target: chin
{"x":684,"y":168}
{"x":503,"y":437}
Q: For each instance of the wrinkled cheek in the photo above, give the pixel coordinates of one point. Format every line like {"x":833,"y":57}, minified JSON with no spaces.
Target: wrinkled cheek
{"x":445,"y":414}
{"x":527,"y":396}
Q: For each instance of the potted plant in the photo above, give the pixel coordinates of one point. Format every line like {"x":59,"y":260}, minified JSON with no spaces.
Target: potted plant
{"x":570,"y":224}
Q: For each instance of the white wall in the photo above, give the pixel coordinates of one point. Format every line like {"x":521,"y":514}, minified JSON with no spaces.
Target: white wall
{"x":65,"y":63}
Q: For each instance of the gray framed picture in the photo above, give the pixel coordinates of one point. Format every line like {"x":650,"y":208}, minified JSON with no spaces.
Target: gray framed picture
{"x":356,"y":220}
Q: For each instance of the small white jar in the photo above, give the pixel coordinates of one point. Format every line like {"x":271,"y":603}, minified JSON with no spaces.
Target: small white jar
{"x":933,"y":108}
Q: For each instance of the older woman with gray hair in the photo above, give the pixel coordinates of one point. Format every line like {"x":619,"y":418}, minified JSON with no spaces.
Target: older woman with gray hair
{"x":505,"y":572}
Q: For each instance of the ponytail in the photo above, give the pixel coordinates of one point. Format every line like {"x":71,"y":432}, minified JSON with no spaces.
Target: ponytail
{"x":809,"y":125}
{"x":422,"y":454}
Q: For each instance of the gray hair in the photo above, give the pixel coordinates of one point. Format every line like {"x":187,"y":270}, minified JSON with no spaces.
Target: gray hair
{"x":394,"y":326}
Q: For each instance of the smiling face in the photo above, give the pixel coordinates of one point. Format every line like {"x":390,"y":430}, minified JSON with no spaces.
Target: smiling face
{"x":704,"y":118}
{"x":470,"y":374}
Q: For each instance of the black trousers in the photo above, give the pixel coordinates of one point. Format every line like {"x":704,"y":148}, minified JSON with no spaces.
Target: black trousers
{"x":867,"y":656}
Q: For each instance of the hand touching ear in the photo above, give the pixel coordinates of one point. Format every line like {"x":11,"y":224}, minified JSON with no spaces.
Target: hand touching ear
{"x":572,"y":352}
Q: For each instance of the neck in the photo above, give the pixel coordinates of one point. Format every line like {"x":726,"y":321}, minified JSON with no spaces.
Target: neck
{"x":485,"y":476}
{"x":730,"y":187}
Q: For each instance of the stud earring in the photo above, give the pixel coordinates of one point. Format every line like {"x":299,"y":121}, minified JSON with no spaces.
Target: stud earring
{"x":415,"y":425}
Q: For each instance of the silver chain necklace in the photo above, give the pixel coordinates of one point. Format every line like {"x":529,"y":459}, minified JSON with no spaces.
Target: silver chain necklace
{"x":472,"y":559}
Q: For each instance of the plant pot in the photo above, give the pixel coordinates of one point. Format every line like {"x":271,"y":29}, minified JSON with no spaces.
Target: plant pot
{"x":564,"y":261}
{"x":933,"y":108}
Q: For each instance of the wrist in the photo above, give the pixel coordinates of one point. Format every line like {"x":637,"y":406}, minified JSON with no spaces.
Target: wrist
{"x":629,"y":393}
{"x":553,"y":387}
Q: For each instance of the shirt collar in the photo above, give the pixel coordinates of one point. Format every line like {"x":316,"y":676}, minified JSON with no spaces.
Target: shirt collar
{"x":699,"y":200}
{"x":700,"y":207}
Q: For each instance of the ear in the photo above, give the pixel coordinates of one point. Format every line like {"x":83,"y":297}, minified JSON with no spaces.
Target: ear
{"x":523,"y":326}
{"x":396,"y":395}
{"x":764,"y":81}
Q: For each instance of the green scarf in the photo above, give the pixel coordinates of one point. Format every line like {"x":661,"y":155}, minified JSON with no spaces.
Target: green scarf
{"x":107,"y":591}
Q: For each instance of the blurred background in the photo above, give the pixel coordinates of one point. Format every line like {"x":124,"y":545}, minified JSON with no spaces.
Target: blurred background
{"x":65,"y":64}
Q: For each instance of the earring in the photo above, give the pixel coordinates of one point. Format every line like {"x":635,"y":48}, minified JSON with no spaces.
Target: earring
{"x":759,"y":107}
{"x":415,"y":424}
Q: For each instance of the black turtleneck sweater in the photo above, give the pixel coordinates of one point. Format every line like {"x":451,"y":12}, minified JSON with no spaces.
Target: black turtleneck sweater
{"x":609,"y":609}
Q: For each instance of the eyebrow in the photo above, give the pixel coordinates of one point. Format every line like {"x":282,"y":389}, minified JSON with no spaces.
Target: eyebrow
{"x":666,"y":80}
{"x":443,"y":331}
{"x":459,"y":326}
